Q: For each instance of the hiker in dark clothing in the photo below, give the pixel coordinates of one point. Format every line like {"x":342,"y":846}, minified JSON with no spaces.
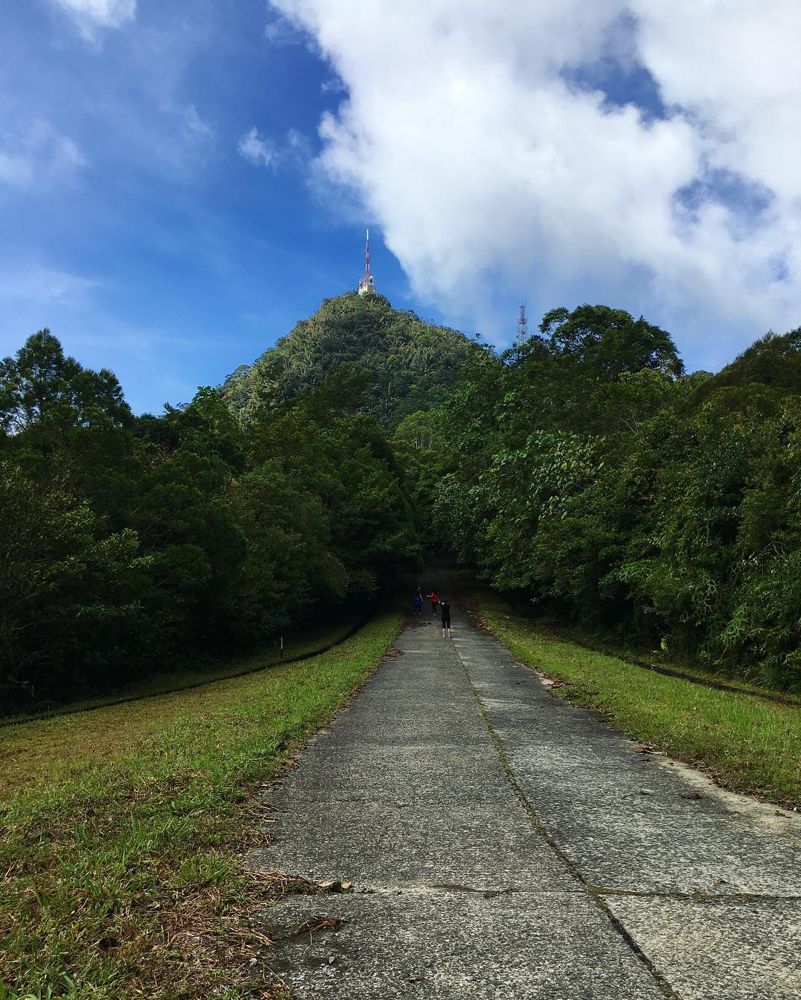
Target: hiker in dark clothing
{"x":417,"y":601}
{"x":445,"y":612}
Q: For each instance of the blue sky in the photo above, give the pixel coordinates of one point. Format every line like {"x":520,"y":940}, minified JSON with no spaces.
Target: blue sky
{"x":182,"y":180}
{"x":157,"y":249}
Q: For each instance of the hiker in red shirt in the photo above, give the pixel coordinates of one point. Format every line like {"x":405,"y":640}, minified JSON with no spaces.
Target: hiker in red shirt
{"x":434,"y":598}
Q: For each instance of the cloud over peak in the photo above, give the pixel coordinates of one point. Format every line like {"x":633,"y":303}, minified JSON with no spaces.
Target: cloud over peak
{"x":466,"y":136}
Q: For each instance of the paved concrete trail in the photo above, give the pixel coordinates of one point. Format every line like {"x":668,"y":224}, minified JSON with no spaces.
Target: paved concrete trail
{"x":503,"y":844}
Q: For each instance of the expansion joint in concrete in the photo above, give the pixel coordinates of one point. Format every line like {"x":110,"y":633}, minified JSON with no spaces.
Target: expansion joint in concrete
{"x":659,"y":980}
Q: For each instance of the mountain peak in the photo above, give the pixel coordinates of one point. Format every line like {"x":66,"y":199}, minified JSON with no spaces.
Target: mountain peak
{"x":410,"y":364}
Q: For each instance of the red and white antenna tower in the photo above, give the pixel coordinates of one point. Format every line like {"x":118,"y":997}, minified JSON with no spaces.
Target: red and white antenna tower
{"x":366,"y":284}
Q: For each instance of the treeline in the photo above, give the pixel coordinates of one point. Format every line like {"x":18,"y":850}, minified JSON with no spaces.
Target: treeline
{"x":590,"y":473}
{"x":130,"y":544}
{"x":584,"y":470}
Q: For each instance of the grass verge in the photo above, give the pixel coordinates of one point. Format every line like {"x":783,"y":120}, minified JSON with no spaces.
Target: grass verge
{"x":657,"y":660}
{"x":744,"y":743}
{"x":118,"y":871}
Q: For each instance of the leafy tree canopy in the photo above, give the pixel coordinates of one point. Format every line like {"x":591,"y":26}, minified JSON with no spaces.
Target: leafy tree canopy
{"x":773,"y":360}
{"x":608,"y":342}
{"x":40,"y":385}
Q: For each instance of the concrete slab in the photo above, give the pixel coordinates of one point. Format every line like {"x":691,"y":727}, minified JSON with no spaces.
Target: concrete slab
{"x":352,"y":772}
{"x":458,"y":946}
{"x":714,"y":949}
{"x":622,"y":819}
{"x":479,"y":846}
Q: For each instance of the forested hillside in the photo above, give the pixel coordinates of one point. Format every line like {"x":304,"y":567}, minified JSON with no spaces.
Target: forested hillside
{"x":588,"y":472}
{"x":397,"y":363}
{"x":129,"y":544}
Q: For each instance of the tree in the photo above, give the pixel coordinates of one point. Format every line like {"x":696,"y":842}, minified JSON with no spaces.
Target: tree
{"x":71,"y":591}
{"x":608,"y":342}
{"x":40,"y":387}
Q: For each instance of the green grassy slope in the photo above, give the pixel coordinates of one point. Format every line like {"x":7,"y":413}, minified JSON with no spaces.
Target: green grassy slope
{"x":747,"y":744}
{"x":117,"y":830}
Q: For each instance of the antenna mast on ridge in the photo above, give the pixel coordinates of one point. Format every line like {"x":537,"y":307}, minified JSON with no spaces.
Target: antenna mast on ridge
{"x":522,"y":326}
{"x":366,"y":284}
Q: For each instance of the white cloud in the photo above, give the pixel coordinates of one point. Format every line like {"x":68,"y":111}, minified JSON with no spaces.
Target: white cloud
{"x":89,"y":15}
{"x":194,"y":129}
{"x":41,"y":284}
{"x":263,"y":152}
{"x":297,"y":147}
{"x":738,"y":72}
{"x":279,"y":32}
{"x":260,"y":151}
{"x":37,"y":154}
{"x":488,"y":171}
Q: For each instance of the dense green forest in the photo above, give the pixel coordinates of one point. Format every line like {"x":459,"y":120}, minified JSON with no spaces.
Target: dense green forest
{"x":131,"y":544}
{"x":589,"y":472}
{"x":584,"y":470}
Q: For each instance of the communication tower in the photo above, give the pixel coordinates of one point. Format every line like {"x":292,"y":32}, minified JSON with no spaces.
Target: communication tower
{"x":366,"y":285}
{"x":522,"y":326}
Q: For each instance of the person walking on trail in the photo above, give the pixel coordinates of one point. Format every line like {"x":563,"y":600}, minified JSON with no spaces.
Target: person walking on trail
{"x":417,"y":601}
{"x":434,"y":598}
{"x":445,"y":612}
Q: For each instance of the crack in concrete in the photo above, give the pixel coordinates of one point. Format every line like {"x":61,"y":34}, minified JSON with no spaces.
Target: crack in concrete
{"x":421,"y":889}
{"x":302,"y":887}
